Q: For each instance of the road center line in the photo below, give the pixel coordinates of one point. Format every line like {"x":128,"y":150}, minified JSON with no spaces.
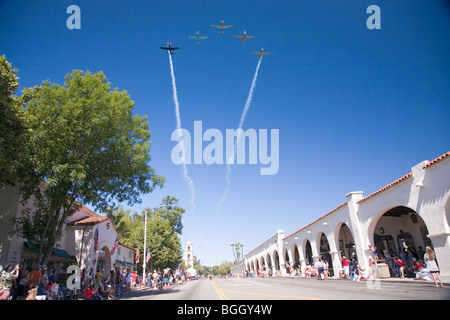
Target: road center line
{"x":221,"y":295}
{"x":221,"y":291}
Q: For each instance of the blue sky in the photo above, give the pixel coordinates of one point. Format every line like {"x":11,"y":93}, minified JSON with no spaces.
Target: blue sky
{"x":355,"y":108}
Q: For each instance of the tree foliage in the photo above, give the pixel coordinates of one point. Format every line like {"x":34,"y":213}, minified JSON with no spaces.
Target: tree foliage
{"x":11,"y":123}
{"x":83,"y":144}
{"x":164,"y":225}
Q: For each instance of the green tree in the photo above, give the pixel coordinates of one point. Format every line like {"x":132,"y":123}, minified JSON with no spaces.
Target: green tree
{"x":163,"y":227}
{"x":171,"y":212}
{"x":83,"y":145}
{"x":122,"y":220}
{"x":11,"y":124}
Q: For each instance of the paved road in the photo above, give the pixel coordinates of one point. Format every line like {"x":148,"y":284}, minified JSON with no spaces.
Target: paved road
{"x":296,"y":289}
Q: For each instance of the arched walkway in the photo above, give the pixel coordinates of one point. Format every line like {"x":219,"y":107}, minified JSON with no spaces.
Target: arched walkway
{"x":324,"y":251}
{"x":400,"y":232}
{"x":346,"y":242}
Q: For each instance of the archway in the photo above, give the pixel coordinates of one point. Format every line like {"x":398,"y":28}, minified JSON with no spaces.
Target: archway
{"x":308,"y":253}
{"x":324,"y":251}
{"x":269,"y":264}
{"x":400,"y":232}
{"x":295,"y":256}
{"x":276,"y":260}
{"x":346,"y":242}
{"x":287,"y":262}
{"x":104,"y":262}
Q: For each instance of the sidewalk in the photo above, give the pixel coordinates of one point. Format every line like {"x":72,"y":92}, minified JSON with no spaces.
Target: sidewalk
{"x":445,"y":280}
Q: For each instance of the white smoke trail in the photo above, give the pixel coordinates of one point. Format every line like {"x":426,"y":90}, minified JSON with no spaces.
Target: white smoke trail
{"x":178,"y":118}
{"x":241,"y":122}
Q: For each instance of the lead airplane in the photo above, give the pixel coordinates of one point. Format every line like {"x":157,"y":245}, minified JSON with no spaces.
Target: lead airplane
{"x":169,"y":48}
{"x":197,"y":37}
{"x":221,"y":26}
{"x":261,"y":53}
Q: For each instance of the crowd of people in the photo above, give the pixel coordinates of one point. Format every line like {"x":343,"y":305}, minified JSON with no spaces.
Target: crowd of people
{"x":26,"y":283}
{"x":121,"y":281}
{"x":407,"y":263}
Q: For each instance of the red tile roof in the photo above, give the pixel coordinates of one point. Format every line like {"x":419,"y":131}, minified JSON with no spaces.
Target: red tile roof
{"x":89,"y":221}
{"x":335,"y":209}
{"x":406,"y":176}
{"x":445,"y":155}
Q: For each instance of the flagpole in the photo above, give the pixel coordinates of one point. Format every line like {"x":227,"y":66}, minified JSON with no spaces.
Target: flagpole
{"x":144,"y":263}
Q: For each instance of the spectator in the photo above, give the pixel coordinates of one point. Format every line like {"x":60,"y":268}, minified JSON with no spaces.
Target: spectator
{"x":319,"y":265}
{"x":401,"y":266}
{"x":6,"y":281}
{"x":99,"y":276}
{"x":421,"y":254}
{"x":128,"y":281}
{"x":119,"y":284}
{"x":24,"y":283}
{"x":402,"y":255}
{"x":166,"y":280}
{"x":373,"y":250}
{"x":346,"y":266}
{"x":430,"y":261}
{"x":53,"y":279}
{"x":88,"y":293}
{"x":44,"y":285}
{"x":357,"y":273}
{"x":35,"y":277}
{"x":326,"y":269}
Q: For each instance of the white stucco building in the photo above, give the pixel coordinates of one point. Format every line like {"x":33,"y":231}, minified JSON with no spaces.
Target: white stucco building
{"x":411,"y":212}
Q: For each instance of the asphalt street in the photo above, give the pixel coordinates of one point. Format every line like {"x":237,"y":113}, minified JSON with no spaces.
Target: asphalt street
{"x":296,"y":289}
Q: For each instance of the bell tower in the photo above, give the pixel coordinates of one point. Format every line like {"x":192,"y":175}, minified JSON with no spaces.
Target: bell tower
{"x":189,"y":255}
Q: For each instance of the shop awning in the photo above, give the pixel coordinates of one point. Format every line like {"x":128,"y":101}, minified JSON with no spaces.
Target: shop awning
{"x":126,"y":264}
{"x":59,"y":254}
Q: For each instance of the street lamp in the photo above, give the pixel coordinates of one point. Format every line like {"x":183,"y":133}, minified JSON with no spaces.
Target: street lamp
{"x":144,"y":263}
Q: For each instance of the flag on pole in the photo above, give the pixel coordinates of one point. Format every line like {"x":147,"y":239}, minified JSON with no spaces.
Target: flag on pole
{"x":96,"y":240}
{"x":148,"y":256}
{"x":116,"y":244}
{"x":137,"y":255}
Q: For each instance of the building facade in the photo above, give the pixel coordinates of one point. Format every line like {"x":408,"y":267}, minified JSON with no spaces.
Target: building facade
{"x":411,"y":213}
{"x":89,"y":240}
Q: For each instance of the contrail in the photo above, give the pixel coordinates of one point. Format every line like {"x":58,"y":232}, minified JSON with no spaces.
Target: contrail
{"x":241,"y":122}
{"x":177,"y":114}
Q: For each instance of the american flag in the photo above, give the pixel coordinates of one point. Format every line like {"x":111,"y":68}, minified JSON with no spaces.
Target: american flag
{"x":148,"y":255}
{"x":96,"y":240}
{"x":137,"y":255}
{"x":116,"y":244}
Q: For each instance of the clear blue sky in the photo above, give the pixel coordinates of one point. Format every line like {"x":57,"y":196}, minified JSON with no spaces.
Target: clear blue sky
{"x":355,"y":108}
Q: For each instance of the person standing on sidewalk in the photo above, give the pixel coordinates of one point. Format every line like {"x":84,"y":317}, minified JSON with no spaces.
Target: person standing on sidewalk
{"x":6,"y":281}
{"x":345,"y":265}
{"x":119,"y":284}
{"x":430,"y":261}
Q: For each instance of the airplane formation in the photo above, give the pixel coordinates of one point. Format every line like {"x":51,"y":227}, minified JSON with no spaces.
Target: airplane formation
{"x":220,"y":26}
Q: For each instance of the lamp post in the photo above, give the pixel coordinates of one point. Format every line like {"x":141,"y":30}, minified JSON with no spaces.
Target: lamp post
{"x":144,"y":263}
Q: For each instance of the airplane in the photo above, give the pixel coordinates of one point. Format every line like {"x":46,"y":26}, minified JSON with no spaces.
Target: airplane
{"x":221,"y":26}
{"x":197,"y":37}
{"x":169,"y":48}
{"x":244,"y":37}
{"x":261,"y":53}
